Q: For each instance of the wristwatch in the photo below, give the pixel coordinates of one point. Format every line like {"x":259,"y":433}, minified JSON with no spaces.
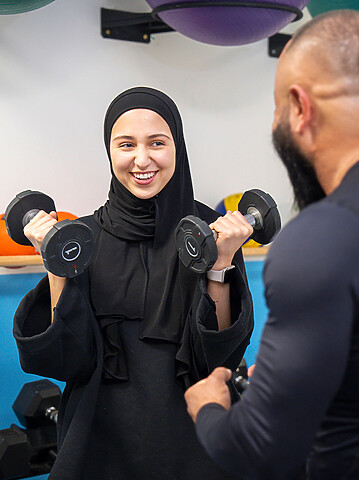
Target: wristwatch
{"x":222,"y":276}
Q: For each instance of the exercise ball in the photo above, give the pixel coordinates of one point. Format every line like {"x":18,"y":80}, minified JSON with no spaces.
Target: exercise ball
{"x":65,"y":216}
{"x":9,"y":247}
{"x":316,"y":7}
{"x":227,"y":25}
{"x":8,"y":7}
{"x":231,"y":203}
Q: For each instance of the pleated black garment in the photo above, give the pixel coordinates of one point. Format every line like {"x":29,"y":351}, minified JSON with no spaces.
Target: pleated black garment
{"x":132,"y":332}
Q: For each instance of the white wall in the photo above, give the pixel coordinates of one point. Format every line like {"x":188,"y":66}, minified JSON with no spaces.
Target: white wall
{"x":58,"y":75}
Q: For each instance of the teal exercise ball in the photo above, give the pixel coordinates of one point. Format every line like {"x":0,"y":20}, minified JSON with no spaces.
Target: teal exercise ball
{"x":317,"y":7}
{"x":8,"y":7}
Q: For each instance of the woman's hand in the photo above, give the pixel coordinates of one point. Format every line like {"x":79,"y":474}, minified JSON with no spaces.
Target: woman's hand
{"x":36,"y":231}
{"x":233,"y":230}
{"x":38,"y":227}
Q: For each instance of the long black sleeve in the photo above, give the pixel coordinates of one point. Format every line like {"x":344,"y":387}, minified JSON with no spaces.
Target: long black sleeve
{"x":312,"y":296}
{"x":64,"y":350}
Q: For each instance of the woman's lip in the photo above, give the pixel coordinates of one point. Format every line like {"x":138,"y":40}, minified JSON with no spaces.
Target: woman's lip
{"x":144,"y":181}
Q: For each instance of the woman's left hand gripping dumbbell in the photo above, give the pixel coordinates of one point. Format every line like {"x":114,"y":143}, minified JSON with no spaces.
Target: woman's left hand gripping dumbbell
{"x":232,"y":230}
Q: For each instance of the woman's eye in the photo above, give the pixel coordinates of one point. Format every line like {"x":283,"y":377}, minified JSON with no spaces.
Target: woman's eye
{"x":157,"y":143}
{"x":126,"y":145}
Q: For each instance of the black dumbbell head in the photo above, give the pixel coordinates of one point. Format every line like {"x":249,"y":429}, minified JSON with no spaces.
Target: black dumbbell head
{"x":33,"y":400}
{"x":19,"y":207}
{"x":196,"y":245}
{"x":14,"y":453}
{"x":67,"y":248}
{"x":268,"y":210}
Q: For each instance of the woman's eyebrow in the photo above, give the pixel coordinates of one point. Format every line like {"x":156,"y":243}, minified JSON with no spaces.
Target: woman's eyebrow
{"x":159,"y":135}
{"x":123,"y":137}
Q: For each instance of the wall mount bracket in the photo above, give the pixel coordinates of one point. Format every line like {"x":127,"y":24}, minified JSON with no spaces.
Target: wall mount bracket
{"x":134,"y":27}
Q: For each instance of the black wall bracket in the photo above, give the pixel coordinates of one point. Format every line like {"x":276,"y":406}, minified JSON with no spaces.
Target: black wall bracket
{"x":134,"y":27}
{"x":138,"y":27}
{"x":276,"y":44}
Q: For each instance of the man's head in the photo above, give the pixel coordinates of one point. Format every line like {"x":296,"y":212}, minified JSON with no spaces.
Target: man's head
{"x":316,"y":120}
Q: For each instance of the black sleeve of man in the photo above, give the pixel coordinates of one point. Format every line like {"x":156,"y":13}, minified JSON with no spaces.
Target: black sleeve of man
{"x":311,"y":280}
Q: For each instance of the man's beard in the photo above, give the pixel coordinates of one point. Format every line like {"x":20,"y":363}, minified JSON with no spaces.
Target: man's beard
{"x":301,"y":174}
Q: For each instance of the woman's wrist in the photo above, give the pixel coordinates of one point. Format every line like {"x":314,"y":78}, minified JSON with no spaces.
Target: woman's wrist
{"x":222,"y":263}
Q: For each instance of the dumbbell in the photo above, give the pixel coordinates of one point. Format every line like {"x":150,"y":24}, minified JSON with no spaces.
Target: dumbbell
{"x":67,"y":247}
{"x":37,"y":403}
{"x":14,"y":453}
{"x":240,"y":377}
{"x":196,"y":242}
{"x":27,"y":452}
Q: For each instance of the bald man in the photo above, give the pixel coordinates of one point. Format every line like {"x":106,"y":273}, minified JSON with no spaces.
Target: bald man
{"x":302,"y":404}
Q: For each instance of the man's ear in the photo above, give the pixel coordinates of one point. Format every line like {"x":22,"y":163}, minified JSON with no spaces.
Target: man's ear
{"x":300,"y":109}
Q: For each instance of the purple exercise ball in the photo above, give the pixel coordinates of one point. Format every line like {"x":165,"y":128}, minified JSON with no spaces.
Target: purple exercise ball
{"x":228,"y":25}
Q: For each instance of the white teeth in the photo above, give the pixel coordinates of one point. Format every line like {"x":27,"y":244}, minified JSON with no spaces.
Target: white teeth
{"x":143,"y":176}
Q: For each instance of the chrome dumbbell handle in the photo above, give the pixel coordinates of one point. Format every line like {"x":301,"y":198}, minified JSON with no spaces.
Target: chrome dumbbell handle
{"x":253,"y":217}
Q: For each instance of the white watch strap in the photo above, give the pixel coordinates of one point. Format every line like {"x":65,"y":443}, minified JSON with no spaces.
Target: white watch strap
{"x":219,"y":275}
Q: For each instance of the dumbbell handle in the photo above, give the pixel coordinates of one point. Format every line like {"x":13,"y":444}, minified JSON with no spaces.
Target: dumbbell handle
{"x":253,"y":217}
{"x":52,"y":414}
{"x":29,"y":216}
{"x":241,"y":383}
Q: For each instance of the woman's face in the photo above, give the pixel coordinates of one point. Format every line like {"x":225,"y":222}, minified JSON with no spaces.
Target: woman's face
{"x":143,"y":152}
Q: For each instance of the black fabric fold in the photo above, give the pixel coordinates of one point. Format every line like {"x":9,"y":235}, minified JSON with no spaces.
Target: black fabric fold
{"x":114,"y":361}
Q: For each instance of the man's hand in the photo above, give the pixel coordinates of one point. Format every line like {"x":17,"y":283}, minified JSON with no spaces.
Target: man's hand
{"x":212,"y":389}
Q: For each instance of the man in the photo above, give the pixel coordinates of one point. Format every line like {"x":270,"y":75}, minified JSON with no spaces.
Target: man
{"x":302,"y":404}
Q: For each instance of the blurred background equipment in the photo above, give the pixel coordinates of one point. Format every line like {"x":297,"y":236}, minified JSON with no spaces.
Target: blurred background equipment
{"x":316,"y":7}
{"x":228,"y":23}
{"x":223,"y":23}
{"x":8,"y":7}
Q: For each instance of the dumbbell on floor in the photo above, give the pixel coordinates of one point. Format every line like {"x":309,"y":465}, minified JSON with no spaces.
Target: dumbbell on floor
{"x":14,"y":453}
{"x":196,"y":242}
{"x":67,"y":247}
{"x":37,"y":403}
{"x":33,"y":450}
{"x":27,"y":452}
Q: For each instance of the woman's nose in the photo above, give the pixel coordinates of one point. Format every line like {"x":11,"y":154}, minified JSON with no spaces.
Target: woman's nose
{"x":142,"y":159}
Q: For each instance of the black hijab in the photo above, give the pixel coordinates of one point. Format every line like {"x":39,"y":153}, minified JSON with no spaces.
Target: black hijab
{"x":122,"y":284}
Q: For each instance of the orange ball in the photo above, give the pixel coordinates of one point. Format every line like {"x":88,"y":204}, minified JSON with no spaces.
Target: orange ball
{"x":9,"y":247}
{"x":65,"y":216}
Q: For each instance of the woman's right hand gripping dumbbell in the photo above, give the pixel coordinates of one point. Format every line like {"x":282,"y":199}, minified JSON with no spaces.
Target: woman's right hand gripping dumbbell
{"x":39,"y":226}
{"x":36,"y":231}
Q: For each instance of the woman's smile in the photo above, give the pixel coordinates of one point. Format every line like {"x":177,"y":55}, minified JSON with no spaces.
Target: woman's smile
{"x":144,"y":178}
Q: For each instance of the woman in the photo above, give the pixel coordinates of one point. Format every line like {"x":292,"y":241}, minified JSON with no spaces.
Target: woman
{"x":137,"y":328}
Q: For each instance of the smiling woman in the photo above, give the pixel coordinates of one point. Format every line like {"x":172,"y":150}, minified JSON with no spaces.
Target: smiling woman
{"x":132,"y":332}
{"x":142,"y":161}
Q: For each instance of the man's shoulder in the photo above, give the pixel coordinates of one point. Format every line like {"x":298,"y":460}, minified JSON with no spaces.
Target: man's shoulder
{"x":322,"y":240}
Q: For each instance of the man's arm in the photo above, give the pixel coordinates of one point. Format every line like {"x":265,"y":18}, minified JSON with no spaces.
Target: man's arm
{"x":300,"y":364}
